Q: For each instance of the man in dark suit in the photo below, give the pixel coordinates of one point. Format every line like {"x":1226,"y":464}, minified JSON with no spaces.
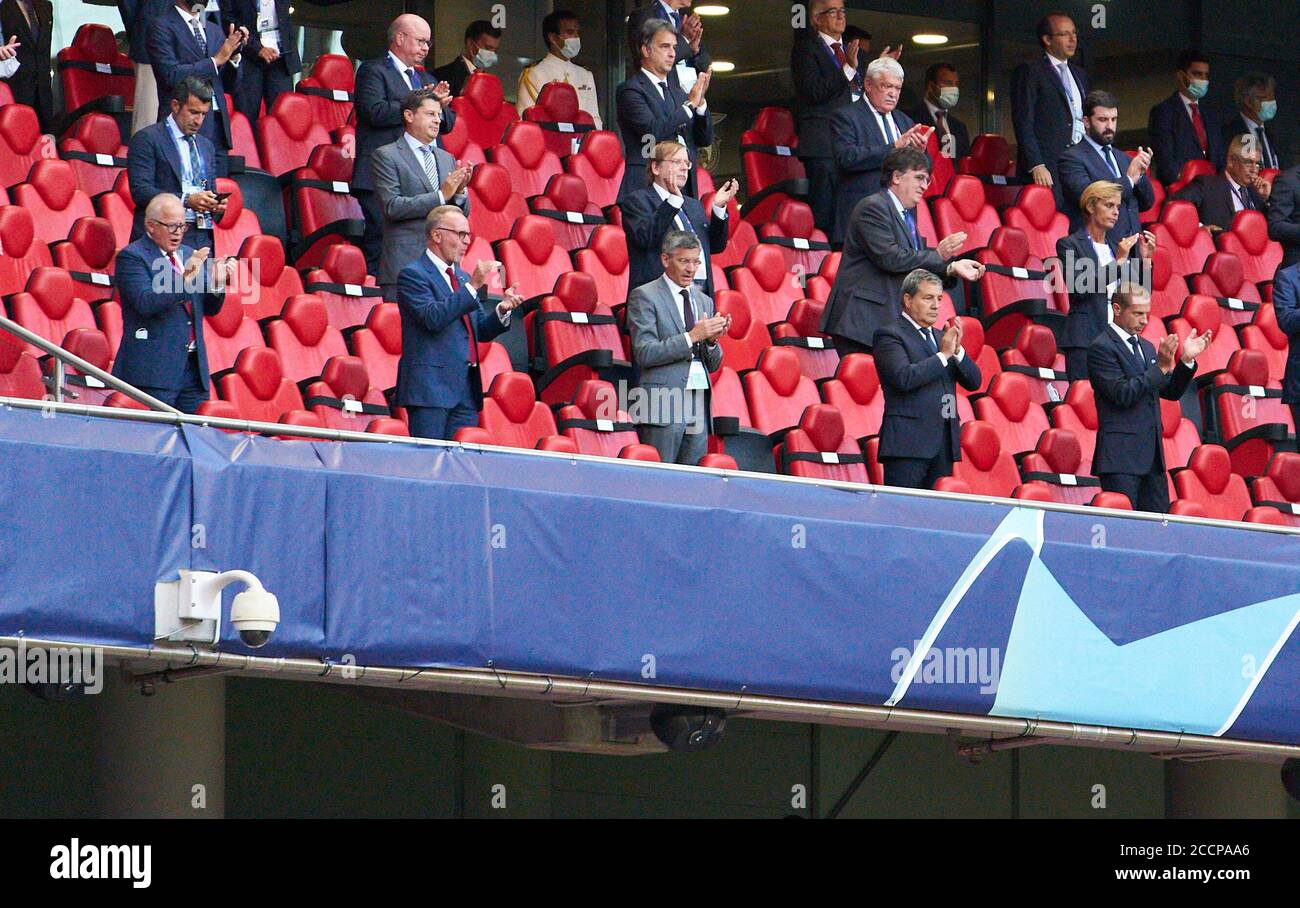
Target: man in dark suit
{"x":1096,"y":158}
{"x":182,"y":44}
{"x":862,"y":135}
{"x":1219,"y":196}
{"x":31,"y":23}
{"x":482,"y":40}
{"x":1181,"y":130}
{"x":1047,"y":102}
{"x":942,"y":93}
{"x":1286,"y":306}
{"x":167,"y":289}
{"x":270,"y":57}
{"x":1129,"y":377}
{"x":650,"y":214}
{"x":1256,"y":97}
{"x":438,"y":380}
{"x":919,"y":368}
{"x":138,"y":16}
{"x":172,"y":156}
{"x":690,"y":34}
{"x":881,"y":247}
{"x":382,"y":84}
{"x":652,"y":108}
{"x":1284,"y":214}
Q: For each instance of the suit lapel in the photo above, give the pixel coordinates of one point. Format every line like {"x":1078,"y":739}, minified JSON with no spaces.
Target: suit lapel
{"x":170,"y":152}
{"x":1055,"y":75}
{"x":666,"y":297}
{"x":405,"y":153}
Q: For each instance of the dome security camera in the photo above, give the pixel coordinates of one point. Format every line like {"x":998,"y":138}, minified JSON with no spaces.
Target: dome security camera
{"x":255,"y":613}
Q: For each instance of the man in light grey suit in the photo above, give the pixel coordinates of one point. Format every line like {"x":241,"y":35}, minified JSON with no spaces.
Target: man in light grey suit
{"x":675,"y":342}
{"x":412,"y":176}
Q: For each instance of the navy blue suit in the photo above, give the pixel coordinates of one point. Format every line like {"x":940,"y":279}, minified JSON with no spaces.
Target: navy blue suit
{"x":153,"y":166}
{"x":647,"y":220}
{"x":859,"y":149}
{"x":1130,"y":458}
{"x":1040,"y":112}
{"x":1286,"y":305}
{"x":175,"y":54}
{"x":1089,"y":299}
{"x":1081,"y":165}
{"x":139,"y":16}
{"x":1173,"y":140}
{"x":261,"y":80}
{"x":434,"y":381}
{"x":154,"y":355}
{"x":920,"y":434}
{"x":642,"y":112}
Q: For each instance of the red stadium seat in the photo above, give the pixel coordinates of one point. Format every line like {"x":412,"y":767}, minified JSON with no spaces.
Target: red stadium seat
{"x":49,"y":307}
{"x":1252,"y":421}
{"x":719,"y":462}
{"x":344,"y":397}
{"x":493,"y":204}
{"x":1180,"y":507}
{"x":1248,"y":240}
{"x":304,"y":338}
{"x":118,"y":208}
{"x":21,"y":143}
{"x":288,"y":134}
{"x":1223,"y":280}
{"x":236,"y":225}
{"x":258,"y":388}
{"x":1279,"y":488}
{"x":1191,"y":170}
{"x":325,"y":214}
{"x":1203,"y":314}
{"x":343,"y":285}
{"x":20,"y":373}
{"x":524,"y":155}
{"x":792,"y":229}
{"x":989,"y":156}
{"x":740,"y":235}
{"x":1031,"y":491}
{"x":1078,"y":414}
{"x":599,"y":164}
{"x":1035,"y":215}
{"x":1179,"y":230}
{"x":532,"y":261}
{"x":1168,"y":288}
{"x":605,"y":259}
{"x":95,"y":152}
{"x":746,"y":338}
{"x":1035,"y":356}
{"x":329,"y":89}
{"x":638,"y":451}
{"x":1158,"y":195}
{"x":818,"y":286}
{"x":573,"y":337}
{"x":983,"y":353}
{"x":768,"y":285}
{"x":1010,"y":408}
{"x":818,"y":358}
{"x":265,"y":281}
{"x":226,"y":334}
{"x":242,"y":142}
{"x":460,"y":146}
{"x":944,"y":166}
{"x":1178,"y":435}
{"x":564,"y":124}
{"x":379,"y":344}
{"x":985,"y":467}
{"x":1210,"y":482}
{"x":594,"y":422}
{"x":388,"y":425}
{"x":778,"y":392}
{"x":89,"y":255}
{"x":83,"y":388}
{"x":820,"y":449}
{"x":512,"y":416}
{"x":1057,"y":462}
{"x":300,"y":418}
{"x":484,"y":109}
{"x":964,"y":208}
{"x":855,"y":391}
{"x":1264,"y":335}
{"x":91,"y":68}
{"x":1014,"y":287}
{"x":565,"y":204}
{"x":773,"y":172}
{"x":1270,"y":515}
{"x":52,"y":196}
{"x":1116,"y":501}
{"x":733,"y":430}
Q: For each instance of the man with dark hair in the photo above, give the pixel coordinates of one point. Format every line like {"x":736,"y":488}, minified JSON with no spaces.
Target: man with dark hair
{"x":270,"y":56}
{"x":653,"y":108}
{"x":1181,"y":130}
{"x":691,"y":54}
{"x":413,"y":176}
{"x":562,"y":33}
{"x":1219,"y":196}
{"x":1096,"y":158}
{"x":482,"y":40}
{"x":1129,"y":378}
{"x":1255,"y":94}
{"x":1047,"y":102}
{"x":173,"y":156}
{"x":919,"y":369}
{"x":941,"y":96}
{"x":881,"y":246}
{"x":26,"y":25}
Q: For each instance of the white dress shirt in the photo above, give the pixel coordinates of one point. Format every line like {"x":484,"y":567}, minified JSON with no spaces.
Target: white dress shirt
{"x":678,"y":201}
{"x":1104,"y":257}
{"x":893,"y":132}
{"x":1076,"y":100}
{"x":8,"y":67}
{"x":661,"y":86}
{"x":849,"y":71}
{"x":416,"y":145}
{"x":402,"y":68}
{"x":442,"y":273}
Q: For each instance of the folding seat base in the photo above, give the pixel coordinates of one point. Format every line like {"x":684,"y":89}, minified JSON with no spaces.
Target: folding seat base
{"x":751,"y":449}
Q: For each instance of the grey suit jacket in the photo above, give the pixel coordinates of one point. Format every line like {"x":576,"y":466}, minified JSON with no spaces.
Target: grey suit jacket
{"x":406,"y":198}
{"x":659,"y":344}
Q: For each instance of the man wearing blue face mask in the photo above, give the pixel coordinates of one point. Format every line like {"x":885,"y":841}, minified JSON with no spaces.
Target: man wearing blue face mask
{"x":941,"y":96}
{"x":1256,"y":97}
{"x":482,"y":40}
{"x":1181,"y":128}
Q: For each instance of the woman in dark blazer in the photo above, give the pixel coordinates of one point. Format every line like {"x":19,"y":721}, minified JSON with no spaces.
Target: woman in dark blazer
{"x":1092,"y":266}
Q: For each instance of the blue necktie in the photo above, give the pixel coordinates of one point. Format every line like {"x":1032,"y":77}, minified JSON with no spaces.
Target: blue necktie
{"x":198,"y":36}
{"x":1110,"y":158}
{"x":1137,"y":351}
{"x":909,"y":215}
{"x":929,"y":340}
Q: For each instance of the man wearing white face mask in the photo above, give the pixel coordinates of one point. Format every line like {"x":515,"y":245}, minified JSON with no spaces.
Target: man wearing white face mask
{"x":941,"y":96}
{"x":1181,"y":128}
{"x":482,"y":40}
{"x":562,"y":33}
{"x":1256,"y":97}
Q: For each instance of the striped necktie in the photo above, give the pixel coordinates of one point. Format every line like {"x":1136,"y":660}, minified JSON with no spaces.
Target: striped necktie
{"x":431,"y":167}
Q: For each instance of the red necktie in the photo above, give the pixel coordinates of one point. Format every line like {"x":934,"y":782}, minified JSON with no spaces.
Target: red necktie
{"x":189,"y":309}
{"x":469,"y":323}
{"x":1199,"y":125}
{"x":838,"y":50}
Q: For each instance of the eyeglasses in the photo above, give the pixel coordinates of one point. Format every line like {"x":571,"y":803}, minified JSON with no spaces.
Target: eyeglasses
{"x":465,"y":235}
{"x":173,"y":229}
{"x":680,"y":162}
{"x":1248,"y":163}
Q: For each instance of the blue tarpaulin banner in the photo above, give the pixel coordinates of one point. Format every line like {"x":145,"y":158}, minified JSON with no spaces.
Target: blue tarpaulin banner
{"x":442,"y":556}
